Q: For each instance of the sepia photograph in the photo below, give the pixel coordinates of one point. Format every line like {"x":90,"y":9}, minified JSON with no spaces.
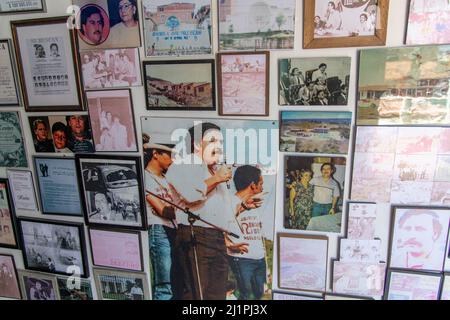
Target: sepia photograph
{"x":38,"y":286}
{"x":407,"y":285}
{"x":404,"y":86}
{"x":53,"y":247}
{"x":9,"y":281}
{"x":256,"y":25}
{"x":112,"y":191}
{"x":112,"y":119}
{"x":362,"y":218}
{"x":74,"y":289}
{"x":177,"y":29}
{"x":314,"y":81}
{"x":314,"y":191}
{"x":315,"y":132}
{"x":243,"y":84}
{"x":116,"y":285}
{"x":180,"y":85}
{"x":7,"y":217}
{"x":111,"y":68}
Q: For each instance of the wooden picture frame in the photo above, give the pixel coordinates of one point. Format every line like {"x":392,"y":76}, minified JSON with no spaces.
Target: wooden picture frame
{"x":64,"y":57}
{"x":12,"y":214}
{"x":15,"y":274}
{"x":310,"y":42}
{"x":44,"y":278}
{"x":239,"y":68}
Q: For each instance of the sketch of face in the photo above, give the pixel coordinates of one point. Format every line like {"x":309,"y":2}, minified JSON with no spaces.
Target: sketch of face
{"x":41,"y":132}
{"x":101,"y":204}
{"x":126,"y":11}
{"x":59,"y":139}
{"x":77,"y":125}
{"x":212,"y":147}
{"x":93,"y":29}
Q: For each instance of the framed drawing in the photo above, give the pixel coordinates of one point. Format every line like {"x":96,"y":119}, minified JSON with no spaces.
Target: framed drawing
{"x":48,"y":62}
{"x":243,"y":83}
{"x":22,"y":6}
{"x":365,"y":251}
{"x":314,"y":81}
{"x":108,"y":24}
{"x":407,"y":285}
{"x":445,"y":291}
{"x":9,"y":280}
{"x":419,"y":238}
{"x":315,"y":132}
{"x":180,"y":85}
{"x":116,"y":285}
{"x":361,"y":223}
{"x":428,"y":22}
{"x":22,"y":190}
{"x":281,"y":296}
{"x":54,"y":247}
{"x":314,"y":193}
{"x":80,"y":289}
{"x":111,"y":68}
{"x":339,"y":23}
{"x":256,"y":25}
{"x":112,"y":191}
{"x":177,"y":29}
{"x":112,"y":120}
{"x":12,"y":144}
{"x":408,"y":86}
{"x":58,"y":186}
{"x":61,"y":134}
{"x":302,"y":262}
{"x":8,"y":230}
{"x":9,"y":85}
{"x":127,"y":253}
{"x":38,"y":286}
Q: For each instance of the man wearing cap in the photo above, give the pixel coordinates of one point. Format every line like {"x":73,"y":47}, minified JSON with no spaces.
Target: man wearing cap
{"x":162,"y":219}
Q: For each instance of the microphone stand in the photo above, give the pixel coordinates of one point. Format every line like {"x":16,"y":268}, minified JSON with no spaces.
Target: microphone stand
{"x":193,"y":218}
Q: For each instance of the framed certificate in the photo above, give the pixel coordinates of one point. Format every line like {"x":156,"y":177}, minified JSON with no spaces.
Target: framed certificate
{"x":22,"y":189}
{"x":22,"y":6}
{"x":9,"y":89}
{"x":49,"y":70}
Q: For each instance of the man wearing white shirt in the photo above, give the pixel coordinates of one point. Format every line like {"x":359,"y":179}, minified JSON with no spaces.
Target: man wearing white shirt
{"x":119,"y":135}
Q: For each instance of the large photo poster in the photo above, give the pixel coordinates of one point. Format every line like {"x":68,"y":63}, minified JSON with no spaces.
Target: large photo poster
{"x":174,"y":28}
{"x":12,"y":148}
{"x":225,"y":172}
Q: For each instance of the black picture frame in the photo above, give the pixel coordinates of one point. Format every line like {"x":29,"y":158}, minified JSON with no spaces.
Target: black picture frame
{"x":210,"y":62}
{"x":81,"y":236}
{"x":39,"y":191}
{"x":43,"y":9}
{"x":13,"y":262}
{"x":15,"y":74}
{"x":139,"y":177}
{"x":116,"y":230}
{"x":12,"y":212}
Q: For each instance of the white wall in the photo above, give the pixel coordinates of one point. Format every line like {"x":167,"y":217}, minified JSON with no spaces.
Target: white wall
{"x":396,"y":29}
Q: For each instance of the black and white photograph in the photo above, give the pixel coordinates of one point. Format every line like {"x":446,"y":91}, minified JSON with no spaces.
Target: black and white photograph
{"x":112,"y":190}
{"x":116,"y":285}
{"x":75,"y":289}
{"x":53,"y":247}
{"x":314,"y":81}
{"x":38,"y":286}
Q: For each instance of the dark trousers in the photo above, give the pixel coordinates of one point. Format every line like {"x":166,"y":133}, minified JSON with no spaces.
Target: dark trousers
{"x":250,"y":276}
{"x":212,"y":264}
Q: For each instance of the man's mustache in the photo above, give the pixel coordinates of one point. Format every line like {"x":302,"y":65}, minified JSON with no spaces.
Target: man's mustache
{"x":410,"y":242}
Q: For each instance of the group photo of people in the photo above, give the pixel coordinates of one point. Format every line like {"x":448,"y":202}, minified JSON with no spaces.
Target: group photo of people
{"x":233,"y":240}
{"x":314,"y":193}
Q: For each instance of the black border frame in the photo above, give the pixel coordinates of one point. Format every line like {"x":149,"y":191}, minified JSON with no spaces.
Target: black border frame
{"x":15,"y":74}
{"x":33,"y":184}
{"x":16,"y":274}
{"x":12,"y":213}
{"x":210,"y":62}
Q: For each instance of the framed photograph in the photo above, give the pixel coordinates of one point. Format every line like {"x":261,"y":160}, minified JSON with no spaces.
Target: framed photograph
{"x":48,"y":63}
{"x":339,"y":23}
{"x":112,"y":191}
{"x":302,"y":262}
{"x":9,"y":281}
{"x":58,"y":186}
{"x":111,"y":68}
{"x":180,"y":85}
{"x":108,"y":24}
{"x":9,"y":85}
{"x":408,"y":86}
{"x":315,"y":132}
{"x":359,"y":278}
{"x":22,"y":190}
{"x":38,"y":286}
{"x":116,"y":285}
{"x":364,"y":251}
{"x":74,"y":289}
{"x":428,"y":22}
{"x":314,"y":81}
{"x":419,"y":238}
{"x":445,"y":291}
{"x":281,"y":296}
{"x":314,"y":193}
{"x":177,"y":29}
{"x":127,"y":253}
{"x":12,"y":144}
{"x":256,"y":25}
{"x":243,"y":83}
{"x":362,"y":218}
{"x":7,"y":218}
{"x":112,"y":120}
{"x":22,"y":6}
{"x":407,"y":285}
{"x":54,"y":247}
